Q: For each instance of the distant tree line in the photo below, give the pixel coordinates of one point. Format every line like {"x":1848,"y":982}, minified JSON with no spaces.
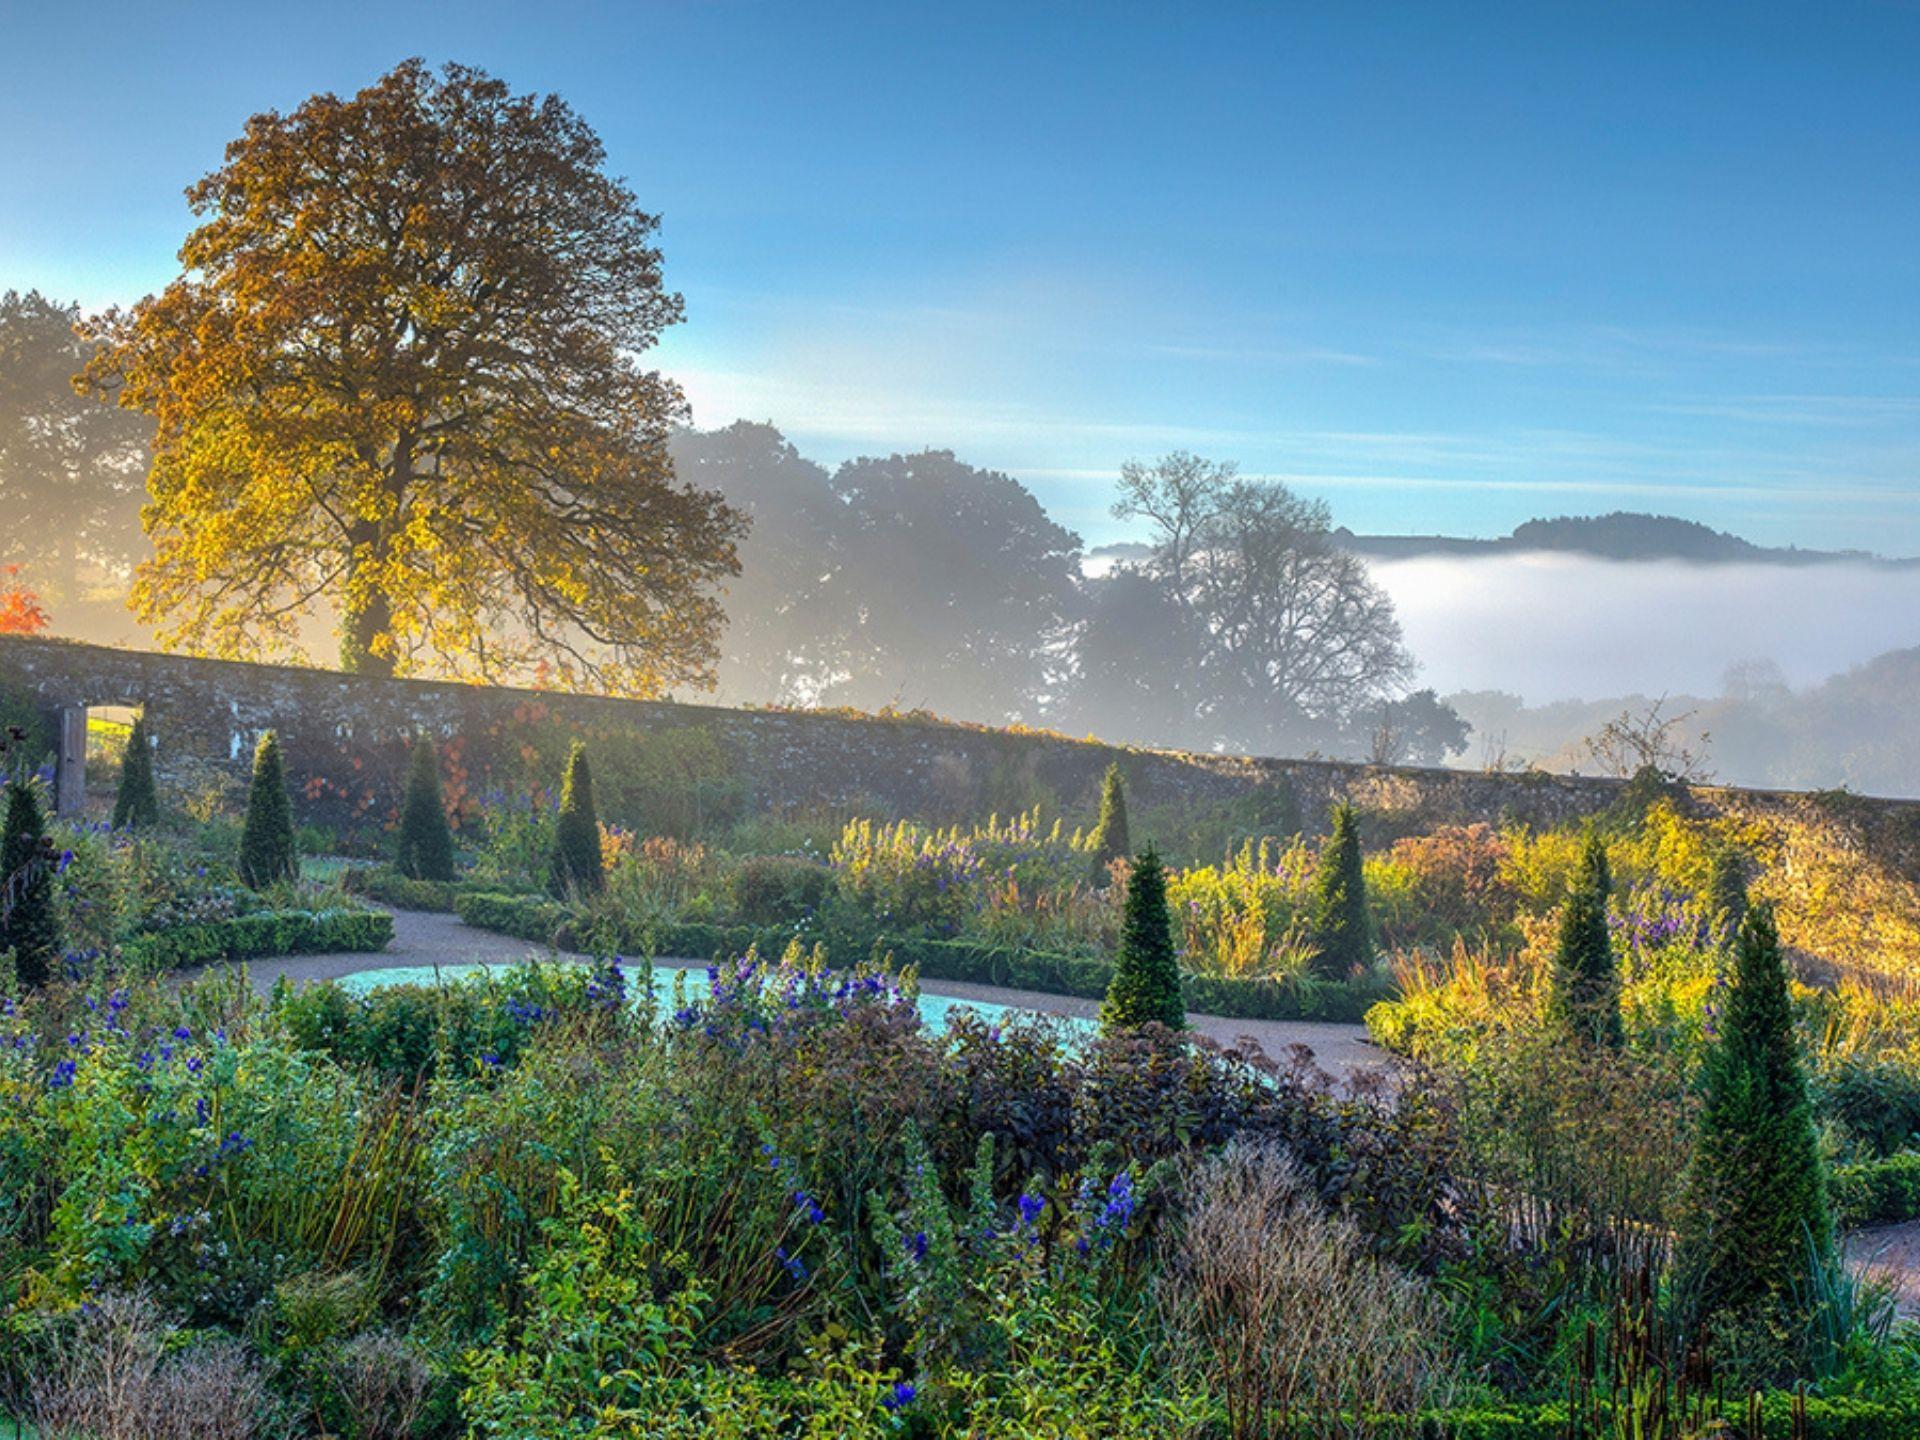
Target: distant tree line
{"x":1854,"y":728}
{"x":921,"y":582}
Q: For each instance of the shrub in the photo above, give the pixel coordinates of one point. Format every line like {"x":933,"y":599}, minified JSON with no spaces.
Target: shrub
{"x":780,"y":889}
{"x":1457,"y":880}
{"x":1284,"y":1312}
{"x":411,"y":1033}
{"x":1756,"y":1213}
{"x":1583,"y":997}
{"x":525,"y":917}
{"x":381,"y":1385}
{"x":389,"y":887}
{"x":1146,"y":979}
{"x":112,"y":1373}
{"x":29,"y":925}
{"x":575,"y":868}
{"x":267,"y":851}
{"x":137,"y":803}
{"x":1341,"y":945}
{"x":426,"y":840}
{"x":1877,"y":1192}
{"x":1110,"y":838}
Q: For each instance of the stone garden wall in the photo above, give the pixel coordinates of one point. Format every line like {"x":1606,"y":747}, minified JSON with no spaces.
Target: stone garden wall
{"x":345,"y":741}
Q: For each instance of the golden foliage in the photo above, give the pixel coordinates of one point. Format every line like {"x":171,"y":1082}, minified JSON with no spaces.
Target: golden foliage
{"x":397,"y":379}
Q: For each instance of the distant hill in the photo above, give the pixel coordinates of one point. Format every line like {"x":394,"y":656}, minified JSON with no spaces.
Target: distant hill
{"x":1623,"y":535}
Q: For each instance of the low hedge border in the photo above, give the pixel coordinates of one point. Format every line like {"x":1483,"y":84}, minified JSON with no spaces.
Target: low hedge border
{"x":384,"y":884}
{"x":257,"y":936}
{"x":1877,"y":1192}
{"x":1838,"y":1417}
{"x":548,"y":922}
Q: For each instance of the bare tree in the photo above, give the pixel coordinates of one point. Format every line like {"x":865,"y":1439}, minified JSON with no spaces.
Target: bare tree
{"x":1647,"y":738}
{"x":1294,"y":636}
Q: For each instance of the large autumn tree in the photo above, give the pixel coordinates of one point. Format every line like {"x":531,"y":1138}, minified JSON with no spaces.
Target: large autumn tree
{"x":398,"y":379}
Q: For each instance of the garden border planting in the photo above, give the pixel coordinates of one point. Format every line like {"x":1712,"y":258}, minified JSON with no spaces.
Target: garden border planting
{"x":548,"y":922}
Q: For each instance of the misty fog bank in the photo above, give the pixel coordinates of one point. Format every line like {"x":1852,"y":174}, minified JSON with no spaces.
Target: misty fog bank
{"x":1556,"y":627}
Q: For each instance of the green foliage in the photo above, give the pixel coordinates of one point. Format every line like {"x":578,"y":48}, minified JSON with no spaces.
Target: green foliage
{"x":410,"y":1033}
{"x":1110,"y":838}
{"x":1146,"y":978}
{"x":594,"y":1342}
{"x":526,"y":917}
{"x":1583,"y":998}
{"x":1342,"y":945}
{"x":576,"y":868}
{"x":780,"y":889}
{"x":257,"y":936}
{"x":1756,"y":1201}
{"x":267,"y":850}
{"x":29,"y":923}
{"x":1876,"y":1192}
{"x":137,"y":803}
{"x":426,"y":840}
{"x":1781,"y":1413}
{"x":389,"y":887}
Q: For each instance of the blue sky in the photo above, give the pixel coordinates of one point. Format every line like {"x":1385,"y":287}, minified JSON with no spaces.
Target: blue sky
{"x":1449,"y":266}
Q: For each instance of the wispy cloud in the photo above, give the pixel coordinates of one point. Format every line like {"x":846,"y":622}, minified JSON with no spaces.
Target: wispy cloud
{"x":1839,"y":410}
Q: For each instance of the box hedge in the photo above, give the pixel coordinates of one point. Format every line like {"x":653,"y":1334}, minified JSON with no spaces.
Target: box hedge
{"x":257,"y":936}
{"x":1877,"y":1192}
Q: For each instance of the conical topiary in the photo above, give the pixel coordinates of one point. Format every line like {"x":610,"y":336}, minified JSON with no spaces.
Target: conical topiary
{"x":29,"y":924}
{"x":1145,"y":987}
{"x":1727,"y":888}
{"x":267,"y":852}
{"x":426,"y":840}
{"x":1110,"y":840}
{"x":1583,"y":998}
{"x":136,"y":804}
{"x":1756,"y":1214}
{"x":1341,"y":944}
{"x":576,"y":837}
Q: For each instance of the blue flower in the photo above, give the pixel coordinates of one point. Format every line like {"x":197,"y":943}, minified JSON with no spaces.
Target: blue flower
{"x":1031,"y":1207}
{"x":793,"y":1264}
{"x":902,"y":1395}
{"x":916,"y":1246}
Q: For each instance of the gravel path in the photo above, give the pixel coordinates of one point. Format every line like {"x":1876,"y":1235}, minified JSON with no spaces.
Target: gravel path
{"x":1890,"y":1253}
{"x":425,"y":939}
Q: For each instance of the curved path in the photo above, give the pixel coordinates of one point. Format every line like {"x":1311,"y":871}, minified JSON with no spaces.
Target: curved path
{"x":425,"y":939}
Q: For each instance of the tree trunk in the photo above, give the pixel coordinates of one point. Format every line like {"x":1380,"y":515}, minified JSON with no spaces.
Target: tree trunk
{"x":359,"y":627}
{"x":368,"y":614}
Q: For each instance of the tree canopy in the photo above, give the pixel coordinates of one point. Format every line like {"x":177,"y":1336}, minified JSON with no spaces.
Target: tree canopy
{"x":1291,"y":634}
{"x":397,"y":379}
{"x":70,"y":467}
